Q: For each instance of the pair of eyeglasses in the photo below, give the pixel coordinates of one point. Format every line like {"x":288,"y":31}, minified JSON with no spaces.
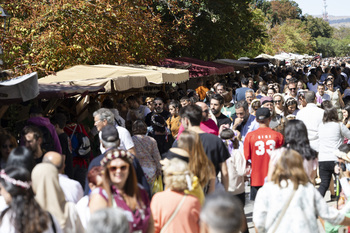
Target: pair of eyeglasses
{"x":149,"y":102}
{"x":115,"y":168}
{"x":291,"y":89}
{"x":158,"y":104}
{"x":277,"y":101}
{"x":7,"y":146}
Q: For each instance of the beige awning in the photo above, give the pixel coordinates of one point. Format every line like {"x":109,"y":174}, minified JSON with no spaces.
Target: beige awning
{"x":168,"y":75}
{"x":121,"y":78}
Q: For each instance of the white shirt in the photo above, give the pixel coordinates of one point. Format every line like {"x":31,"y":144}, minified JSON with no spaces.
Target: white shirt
{"x":306,"y":204}
{"x":331,"y":137}
{"x":312,"y":117}
{"x":72,"y":189}
{"x":83,"y":210}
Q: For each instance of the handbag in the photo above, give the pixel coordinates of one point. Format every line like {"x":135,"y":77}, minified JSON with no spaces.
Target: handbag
{"x":174,"y":214}
{"x":285,"y":207}
{"x":157,"y":185}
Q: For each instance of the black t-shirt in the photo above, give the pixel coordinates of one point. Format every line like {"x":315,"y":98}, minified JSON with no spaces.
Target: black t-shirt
{"x":215,"y":149}
{"x":68,"y":169}
{"x":222,"y":119}
{"x":164,"y":114}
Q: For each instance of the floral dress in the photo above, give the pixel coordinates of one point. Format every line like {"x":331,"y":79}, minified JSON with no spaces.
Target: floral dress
{"x":148,"y":155}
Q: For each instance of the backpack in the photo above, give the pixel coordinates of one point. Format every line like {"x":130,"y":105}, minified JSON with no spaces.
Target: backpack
{"x":80,"y":143}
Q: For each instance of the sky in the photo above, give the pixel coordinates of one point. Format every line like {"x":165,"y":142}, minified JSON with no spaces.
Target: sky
{"x":334,"y":7}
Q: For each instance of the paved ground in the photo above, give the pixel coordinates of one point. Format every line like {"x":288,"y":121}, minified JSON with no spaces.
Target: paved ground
{"x":248,"y":209}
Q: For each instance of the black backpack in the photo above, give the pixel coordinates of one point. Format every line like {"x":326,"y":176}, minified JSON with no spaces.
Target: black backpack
{"x":80,"y":144}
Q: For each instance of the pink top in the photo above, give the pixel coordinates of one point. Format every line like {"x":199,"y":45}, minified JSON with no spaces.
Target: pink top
{"x":208,"y":126}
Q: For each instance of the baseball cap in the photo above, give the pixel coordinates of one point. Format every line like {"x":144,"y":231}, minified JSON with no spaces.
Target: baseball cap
{"x":109,"y":133}
{"x":262,"y":113}
{"x":266,"y":99}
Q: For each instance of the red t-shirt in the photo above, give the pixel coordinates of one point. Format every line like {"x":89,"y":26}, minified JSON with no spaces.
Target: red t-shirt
{"x":258,"y":146}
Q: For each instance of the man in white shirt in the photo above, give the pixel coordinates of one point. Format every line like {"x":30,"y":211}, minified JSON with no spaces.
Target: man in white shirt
{"x":72,"y":189}
{"x":312,"y":117}
{"x":103,"y":117}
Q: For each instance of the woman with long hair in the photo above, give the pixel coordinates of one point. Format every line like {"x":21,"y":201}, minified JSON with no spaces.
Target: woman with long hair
{"x":291,"y":107}
{"x":23,"y":213}
{"x":199,"y":163}
{"x":346,"y":116}
{"x":120,"y":189}
{"x":290,"y":203}
{"x":186,"y":219}
{"x":173,"y":121}
{"x":296,"y":138}
{"x":146,"y":152}
{"x":331,"y":135}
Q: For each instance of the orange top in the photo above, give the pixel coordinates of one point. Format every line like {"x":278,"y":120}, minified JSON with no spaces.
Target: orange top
{"x":186,"y":220}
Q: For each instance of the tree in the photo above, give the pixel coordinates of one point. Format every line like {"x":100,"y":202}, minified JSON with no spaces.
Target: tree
{"x":318,"y":27}
{"x":283,"y":10}
{"x":53,"y":35}
{"x":220,"y":28}
{"x":291,"y":36}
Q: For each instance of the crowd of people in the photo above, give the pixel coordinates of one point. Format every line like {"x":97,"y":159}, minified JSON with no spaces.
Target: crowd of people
{"x":181,"y":161}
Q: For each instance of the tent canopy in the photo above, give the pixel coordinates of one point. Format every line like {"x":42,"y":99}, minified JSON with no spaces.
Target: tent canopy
{"x":168,"y":75}
{"x":237,"y":64}
{"x":119,"y":78}
{"x":197,"y":68}
{"x":48,"y":91}
{"x":22,"y":88}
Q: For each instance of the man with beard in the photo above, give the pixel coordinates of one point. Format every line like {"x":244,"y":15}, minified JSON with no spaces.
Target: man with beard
{"x":207,"y":124}
{"x":216,"y":104}
{"x":32,"y":140}
{"x":277,"y":122}
{"x":159,"y":109}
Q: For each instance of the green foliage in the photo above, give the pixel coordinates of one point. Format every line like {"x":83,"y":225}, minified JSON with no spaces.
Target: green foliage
{"x":290,"y":36}
{"x":318,"y":27}
{"x":220,"y":28}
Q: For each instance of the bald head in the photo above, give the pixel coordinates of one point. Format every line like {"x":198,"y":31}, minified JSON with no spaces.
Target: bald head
{"x":54,"y":158}
{"x":205,"y":110}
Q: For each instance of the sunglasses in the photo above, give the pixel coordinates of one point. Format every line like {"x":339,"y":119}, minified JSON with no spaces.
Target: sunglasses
{"x":158,"y":104}
{"x":7,"y":146}
{"x":115,"y":168}
{"x":291,"y":89}
{"x":277,"y":101}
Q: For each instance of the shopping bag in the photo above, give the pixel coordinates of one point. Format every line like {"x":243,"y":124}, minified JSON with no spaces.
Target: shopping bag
{"x":157,"y":185}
